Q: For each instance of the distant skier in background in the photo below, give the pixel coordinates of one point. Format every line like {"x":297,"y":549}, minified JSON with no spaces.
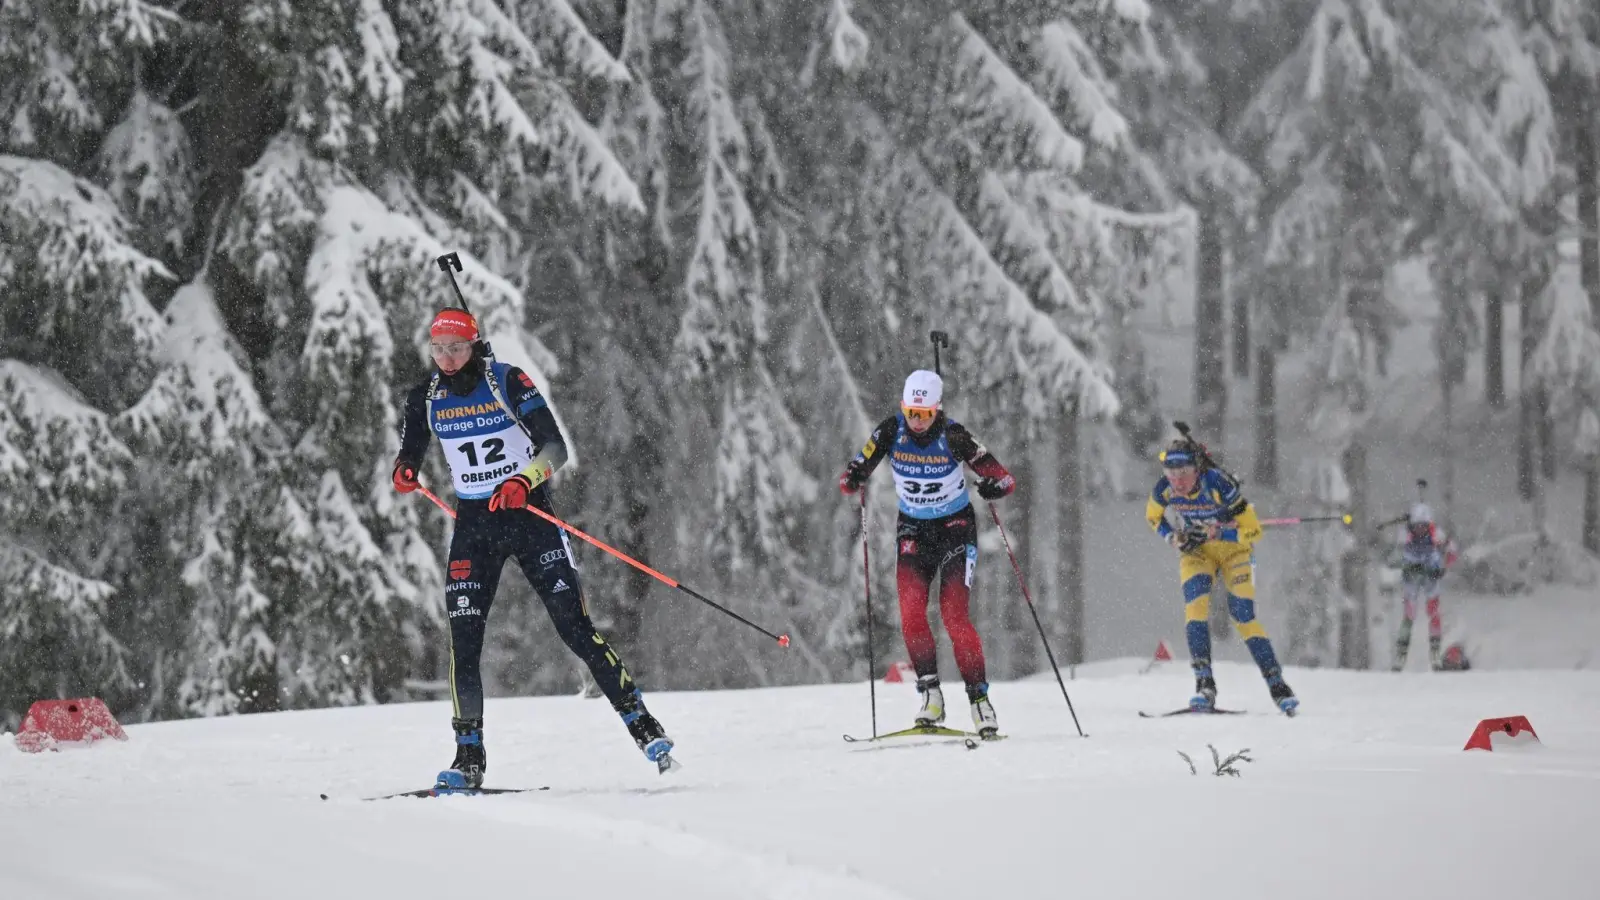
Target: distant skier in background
{"x":937,"y":535}
{"x":1199,"y":510}
{"x":1422,"y":552}
{"x":502,"y":444}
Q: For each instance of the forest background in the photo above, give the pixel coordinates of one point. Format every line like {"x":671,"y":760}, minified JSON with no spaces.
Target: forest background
{"x":717,"y":234}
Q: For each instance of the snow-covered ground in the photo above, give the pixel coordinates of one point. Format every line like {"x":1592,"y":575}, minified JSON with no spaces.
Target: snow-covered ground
{"x":1366,"y":794}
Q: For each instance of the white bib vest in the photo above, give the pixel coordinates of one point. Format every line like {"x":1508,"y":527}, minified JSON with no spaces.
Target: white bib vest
{"x":483,"y":444}
{"x":929,"y":480}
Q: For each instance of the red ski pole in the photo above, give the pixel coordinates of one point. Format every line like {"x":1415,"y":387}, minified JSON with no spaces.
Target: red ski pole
{"x":782,"y":639}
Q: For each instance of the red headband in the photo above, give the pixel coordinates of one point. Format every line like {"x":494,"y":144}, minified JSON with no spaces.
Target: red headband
{"x":456,"y":323}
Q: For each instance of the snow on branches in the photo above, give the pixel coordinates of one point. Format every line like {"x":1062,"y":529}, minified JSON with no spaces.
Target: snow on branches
{"x":70,"y":254}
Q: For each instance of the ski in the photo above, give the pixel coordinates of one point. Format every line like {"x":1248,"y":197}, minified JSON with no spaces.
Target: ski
{"x":453,"y":792}
{"x":1189,"y":710}
{"x":969,"y":738}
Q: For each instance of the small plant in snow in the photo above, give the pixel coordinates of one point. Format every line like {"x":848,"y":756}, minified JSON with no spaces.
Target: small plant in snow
{"x":1225,"y":766}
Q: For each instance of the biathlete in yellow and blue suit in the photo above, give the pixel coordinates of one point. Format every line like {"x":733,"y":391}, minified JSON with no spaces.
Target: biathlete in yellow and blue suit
{"x":1200,"y":511}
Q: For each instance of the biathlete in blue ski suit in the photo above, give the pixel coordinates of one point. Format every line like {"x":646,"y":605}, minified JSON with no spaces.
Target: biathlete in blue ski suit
{"x":502,"y":444}
{"x":1200,"y":511}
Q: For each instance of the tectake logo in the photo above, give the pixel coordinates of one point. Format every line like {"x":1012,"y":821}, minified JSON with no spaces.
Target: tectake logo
{"x":464,"y":607}
{"x":546,"y":559}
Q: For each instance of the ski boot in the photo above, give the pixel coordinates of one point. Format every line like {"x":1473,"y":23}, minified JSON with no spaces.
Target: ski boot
{"x":1281,"y":693}
{"x":983,"y":717}
{"x":1205,"y":689}
{"x":646,"y":732}
{"x":472,"y":760}
{"x":1435,"y":652}
{"x":932,"y":712}
{"x":1402,"y":646}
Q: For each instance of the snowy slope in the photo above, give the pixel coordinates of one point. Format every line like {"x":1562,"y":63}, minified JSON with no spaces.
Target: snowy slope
{"x":1366,"y":794}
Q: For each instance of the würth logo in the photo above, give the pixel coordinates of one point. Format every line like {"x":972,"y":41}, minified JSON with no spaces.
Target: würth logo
{"x":460,"y":569}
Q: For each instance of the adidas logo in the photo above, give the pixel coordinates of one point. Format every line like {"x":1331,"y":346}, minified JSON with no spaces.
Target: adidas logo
{"x":561,"y":585}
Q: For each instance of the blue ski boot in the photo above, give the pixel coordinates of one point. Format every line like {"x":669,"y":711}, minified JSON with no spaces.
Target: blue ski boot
{"x":472,"y":760}
{"x":1281,"y":693}
{"x":647,"y":732}
{"x":1205,"y":689}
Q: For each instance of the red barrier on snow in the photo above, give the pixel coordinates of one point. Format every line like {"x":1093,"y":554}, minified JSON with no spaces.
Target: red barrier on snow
{"x":900,"y":672}
{"x":1503,"y":734}
{"x":52,"y":722}
{"x":1162,"y":655}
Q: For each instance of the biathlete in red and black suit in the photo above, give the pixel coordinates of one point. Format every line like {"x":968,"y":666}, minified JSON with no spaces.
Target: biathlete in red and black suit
{"x":937,"y":534}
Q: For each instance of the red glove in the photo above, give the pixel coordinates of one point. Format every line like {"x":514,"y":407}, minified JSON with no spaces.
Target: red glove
{"x":405,"y":478}
{"x":511,"y":494}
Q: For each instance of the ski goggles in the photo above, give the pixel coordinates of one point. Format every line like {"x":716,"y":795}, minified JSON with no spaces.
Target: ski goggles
{"x":920,"y":415}
{"x":449,"y":348}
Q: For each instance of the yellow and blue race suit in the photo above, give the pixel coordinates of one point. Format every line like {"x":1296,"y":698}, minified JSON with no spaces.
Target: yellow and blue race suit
{"x":1230,"y":556}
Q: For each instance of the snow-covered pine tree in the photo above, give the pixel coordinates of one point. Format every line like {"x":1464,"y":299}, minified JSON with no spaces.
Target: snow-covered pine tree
{"x":972,"y":129}
{"x":205,"y":441}
{"x":61,"y":468}
{"x":1212,"y":58}
{"x":1564,"y":36}
{"x":78,"y":339}
{"x":1360,"y":127}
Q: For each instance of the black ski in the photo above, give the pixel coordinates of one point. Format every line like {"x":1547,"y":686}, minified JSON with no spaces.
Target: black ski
{"x":1189,"y":710}
{"x":453,"y":792}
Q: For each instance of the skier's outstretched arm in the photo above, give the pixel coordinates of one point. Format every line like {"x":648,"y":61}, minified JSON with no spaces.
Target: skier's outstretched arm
{"x":994,"y":481}
{"x":872,"y":452}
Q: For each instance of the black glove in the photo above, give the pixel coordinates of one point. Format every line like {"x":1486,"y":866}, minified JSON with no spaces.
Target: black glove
{"x":1193,"y":535}
{"x":995,"y":488}
{"x":850,"y":482}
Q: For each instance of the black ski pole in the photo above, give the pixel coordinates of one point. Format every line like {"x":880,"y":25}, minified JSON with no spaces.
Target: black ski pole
{"x":866,"y":568}
{"x":1021,"y":582}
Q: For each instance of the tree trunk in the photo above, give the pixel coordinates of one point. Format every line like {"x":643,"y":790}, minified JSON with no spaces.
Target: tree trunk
{"x":1210,"y":320}
{"x":1447,"y":486}
{"x":1591,"y":504}
{"x":1044,"y":563}
{"x":1266,"y":467}
{"x":1527,"y":390}
{"x":1241,"y":322}
{"x":1018,"y":643}
{"x":1354,"y":640}
{"x":1072,"y":558}
{"x":1494,"y":363}
{"x":1547,"y":438}
{"x":1589,"y":268}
